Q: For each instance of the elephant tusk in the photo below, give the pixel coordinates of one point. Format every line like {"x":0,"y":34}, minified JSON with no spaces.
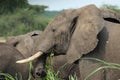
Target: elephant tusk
{"x":30,"y":58}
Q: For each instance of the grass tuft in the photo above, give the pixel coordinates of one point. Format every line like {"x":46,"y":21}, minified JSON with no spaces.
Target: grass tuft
{"x":51,"y":75}
{"x":106,"y":65}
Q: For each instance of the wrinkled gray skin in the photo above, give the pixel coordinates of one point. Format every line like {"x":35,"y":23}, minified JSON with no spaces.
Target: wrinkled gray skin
{"x":24,"y":43}
{"x":58,"y":63}
{"x":85,"y":32}
{"x":65,"y":70}
{"x":8,"y":57}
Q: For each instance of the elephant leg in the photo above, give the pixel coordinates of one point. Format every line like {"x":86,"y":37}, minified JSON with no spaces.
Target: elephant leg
{"x":87,"y":66}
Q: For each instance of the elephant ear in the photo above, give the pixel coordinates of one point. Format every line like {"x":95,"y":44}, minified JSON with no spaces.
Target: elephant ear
{"x":14,"y":40}
{"x":84,"y":38}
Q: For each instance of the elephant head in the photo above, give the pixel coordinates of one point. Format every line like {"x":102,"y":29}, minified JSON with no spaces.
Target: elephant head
{"x":73,"y":32}
{"x":25,"y":43}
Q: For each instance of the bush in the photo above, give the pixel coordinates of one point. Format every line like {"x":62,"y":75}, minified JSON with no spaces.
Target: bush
{"x":21,"y":22}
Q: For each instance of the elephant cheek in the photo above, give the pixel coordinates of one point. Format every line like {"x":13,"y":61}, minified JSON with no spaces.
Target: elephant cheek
{"x":62,"y":43}
{"x":60,"y":49}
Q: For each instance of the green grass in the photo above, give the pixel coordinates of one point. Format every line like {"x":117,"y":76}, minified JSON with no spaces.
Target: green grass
{"x":7,"y":76}
{"x":51,"y":75}
{"x":106,"y":65}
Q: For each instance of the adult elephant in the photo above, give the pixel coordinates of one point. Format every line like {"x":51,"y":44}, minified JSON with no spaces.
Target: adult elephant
{"x":87,"y":31}
{"x":25,"y":43}
{"x":8,"y":57}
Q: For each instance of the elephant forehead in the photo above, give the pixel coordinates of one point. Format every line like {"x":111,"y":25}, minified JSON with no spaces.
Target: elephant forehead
{"x":59,"y":23}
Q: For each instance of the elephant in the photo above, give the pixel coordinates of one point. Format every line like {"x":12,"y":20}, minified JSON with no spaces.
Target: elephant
{"x":85,"y":32}
{"x":24,"y":43}
{"x":8,"y":57}
{"x":58,"y":64}
{"x":22,"y":46}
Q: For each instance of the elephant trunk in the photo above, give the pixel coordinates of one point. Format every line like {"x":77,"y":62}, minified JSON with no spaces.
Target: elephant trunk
{"x":45,"y":45}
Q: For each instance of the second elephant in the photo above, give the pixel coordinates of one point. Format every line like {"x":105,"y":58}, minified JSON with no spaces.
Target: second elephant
{"x":25,"y":43}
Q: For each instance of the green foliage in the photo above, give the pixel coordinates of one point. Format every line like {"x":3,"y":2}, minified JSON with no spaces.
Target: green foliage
{"x":18,"y":17}
{"x":18,"y":76}
{"x":112,"y":7}
{"x":51,"y":75}
{"x":37,"y":8}
{"x":73,"y":77}
{"x":51,"y":14}
{"x":9,"y":6}
{"x":21,"y":22}
{"x":7,"y":76}
{"x":30,"y":69}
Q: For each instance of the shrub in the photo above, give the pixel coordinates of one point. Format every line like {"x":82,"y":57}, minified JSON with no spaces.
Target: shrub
{"x":21,"y":22}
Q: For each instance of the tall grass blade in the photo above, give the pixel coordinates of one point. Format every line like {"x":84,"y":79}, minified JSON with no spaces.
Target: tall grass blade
{"x":103,"y":67}
{"x":102,"y":61}
{"x":7,"y":76}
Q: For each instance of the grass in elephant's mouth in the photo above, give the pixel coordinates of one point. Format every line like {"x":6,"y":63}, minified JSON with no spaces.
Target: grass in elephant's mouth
{"x":54,"y":76}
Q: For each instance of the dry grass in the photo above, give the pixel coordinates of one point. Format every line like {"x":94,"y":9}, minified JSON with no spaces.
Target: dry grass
{"x":2,"y":39}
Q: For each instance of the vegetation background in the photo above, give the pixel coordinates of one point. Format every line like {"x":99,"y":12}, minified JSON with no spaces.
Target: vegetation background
{"x":19,"y":17}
